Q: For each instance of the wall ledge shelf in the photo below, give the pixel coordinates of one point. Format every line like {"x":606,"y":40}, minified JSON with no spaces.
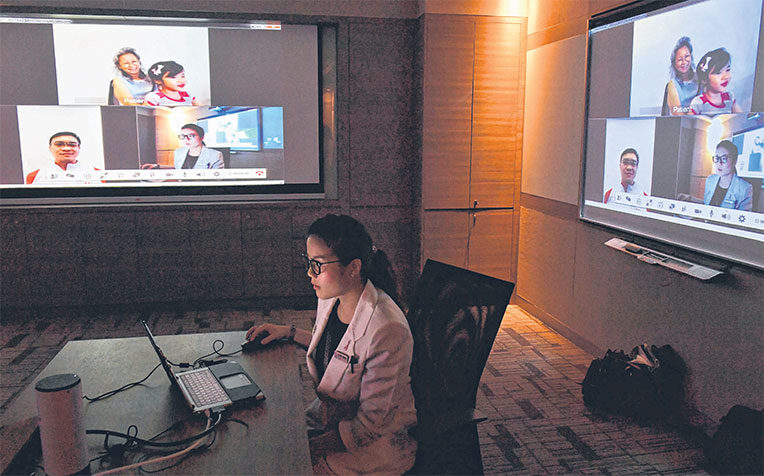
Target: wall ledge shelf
{"x":650,"y":256}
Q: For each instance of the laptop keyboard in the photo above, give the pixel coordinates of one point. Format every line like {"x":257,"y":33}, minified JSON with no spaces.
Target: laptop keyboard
{"x":204,"y":388}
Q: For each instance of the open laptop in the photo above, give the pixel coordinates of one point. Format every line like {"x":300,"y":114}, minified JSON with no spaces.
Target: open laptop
{"x":216,"y":386}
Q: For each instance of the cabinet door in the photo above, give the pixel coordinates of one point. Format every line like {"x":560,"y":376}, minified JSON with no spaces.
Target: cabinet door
{"x":497,"y":114}
{"x":445,"y":237}
{"x":490,"y":243}
{"x":447,"y":111}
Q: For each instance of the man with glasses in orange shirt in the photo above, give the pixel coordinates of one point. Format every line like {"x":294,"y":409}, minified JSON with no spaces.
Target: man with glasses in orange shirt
{"x":65,"y":149}
{"x":628,"y":164}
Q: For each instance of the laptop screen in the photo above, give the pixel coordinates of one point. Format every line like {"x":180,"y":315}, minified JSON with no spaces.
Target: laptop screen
{"x":162,"y":358}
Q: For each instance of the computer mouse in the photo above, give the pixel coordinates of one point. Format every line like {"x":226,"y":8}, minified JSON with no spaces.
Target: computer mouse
{"x":254,"y":344}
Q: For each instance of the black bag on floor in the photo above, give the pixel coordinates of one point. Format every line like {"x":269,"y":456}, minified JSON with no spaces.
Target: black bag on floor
{"x":615,"y":385}
{"x":737,"y":447}
{"x":670,"y":378}
{"x":636,"y":384}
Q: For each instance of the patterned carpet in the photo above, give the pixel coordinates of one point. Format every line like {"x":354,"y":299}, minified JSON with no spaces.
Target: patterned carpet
{"x":530,"y":390}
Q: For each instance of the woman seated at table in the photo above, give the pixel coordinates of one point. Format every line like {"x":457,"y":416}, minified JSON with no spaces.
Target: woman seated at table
{"x":359,"y":355}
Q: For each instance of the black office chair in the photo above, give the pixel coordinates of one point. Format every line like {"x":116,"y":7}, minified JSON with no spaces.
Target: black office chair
{"x":454,"y":318}
{"x":111,"y":99}
{"x":665,"y":111}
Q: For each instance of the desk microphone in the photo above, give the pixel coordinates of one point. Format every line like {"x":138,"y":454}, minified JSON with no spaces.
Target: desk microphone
{"x":62,"y":425}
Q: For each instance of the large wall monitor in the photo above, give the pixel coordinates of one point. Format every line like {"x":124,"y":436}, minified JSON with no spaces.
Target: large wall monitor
{"x":675,"y":125}
{"x":100,"y":107}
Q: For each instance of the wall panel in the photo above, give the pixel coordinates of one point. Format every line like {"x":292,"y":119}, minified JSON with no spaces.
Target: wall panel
{"x":14,"y":278}
{"x":553,"y":128}
{"x":492,"y":243}
{"x":447,"y":112}
{"x":266,"y":252}
{"x":352,"y":8}
{"x":497,"y":113}
{"x":384,"y":164}
{"x":546,"y":259}
{"x":444,"y":236}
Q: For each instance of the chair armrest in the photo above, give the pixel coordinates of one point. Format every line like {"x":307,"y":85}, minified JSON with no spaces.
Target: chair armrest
{"x":433,"y":426}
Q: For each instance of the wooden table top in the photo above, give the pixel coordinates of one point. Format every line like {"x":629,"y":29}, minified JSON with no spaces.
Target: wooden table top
{"x":274,"y":440}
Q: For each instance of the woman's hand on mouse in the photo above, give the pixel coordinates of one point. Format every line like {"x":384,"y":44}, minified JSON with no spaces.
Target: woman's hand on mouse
{"x":270,"y":331}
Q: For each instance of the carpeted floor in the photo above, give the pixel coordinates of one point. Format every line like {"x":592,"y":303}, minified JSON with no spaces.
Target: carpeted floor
{"x":530,"y":390}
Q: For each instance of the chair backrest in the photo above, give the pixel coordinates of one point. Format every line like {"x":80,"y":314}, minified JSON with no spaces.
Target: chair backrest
{"x":112,"y":100}
{"x":665,"y":107}
{"x":454,"y":318}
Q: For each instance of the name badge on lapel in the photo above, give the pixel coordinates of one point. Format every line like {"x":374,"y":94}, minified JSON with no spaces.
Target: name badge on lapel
{"x":348,"y":359}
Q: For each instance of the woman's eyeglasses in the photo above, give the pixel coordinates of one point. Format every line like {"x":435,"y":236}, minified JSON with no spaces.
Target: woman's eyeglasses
{"x":314,"y":265}
{"x":720,"y":158}
{"x":186,"y":136}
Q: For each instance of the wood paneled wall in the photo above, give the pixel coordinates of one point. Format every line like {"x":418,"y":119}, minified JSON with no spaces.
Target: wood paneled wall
{"x":497,"y":115}
{"x":113,"y":255}
{"x":447,"y":111}
{"x":473,"y":82}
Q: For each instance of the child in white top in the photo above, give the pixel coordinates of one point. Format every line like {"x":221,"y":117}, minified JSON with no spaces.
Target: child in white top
{"x":170,"y":80}
{"x":714,"y":78}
